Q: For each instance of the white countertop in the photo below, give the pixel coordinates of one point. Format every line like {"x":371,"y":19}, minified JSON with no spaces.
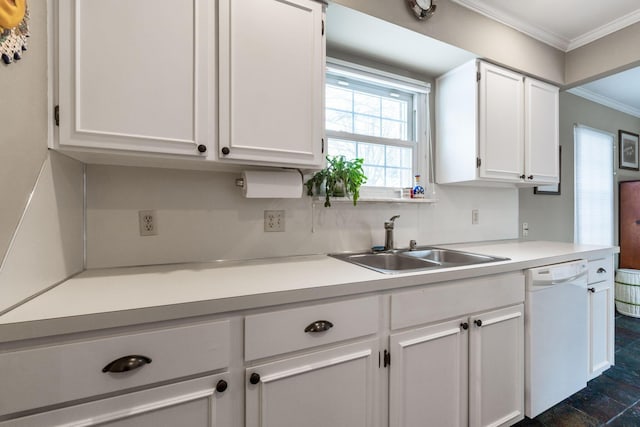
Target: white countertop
{"x":104,"y":298}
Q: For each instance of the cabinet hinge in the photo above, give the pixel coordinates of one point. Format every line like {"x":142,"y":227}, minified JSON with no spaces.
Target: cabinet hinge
{"x":387,"y":358}
{"x":56,"y":115}
{"x":478,"y":76}
{"x":478,"y":162}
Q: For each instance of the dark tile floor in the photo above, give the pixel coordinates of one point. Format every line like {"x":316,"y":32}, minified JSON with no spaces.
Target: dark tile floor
{"x":612,"y":399}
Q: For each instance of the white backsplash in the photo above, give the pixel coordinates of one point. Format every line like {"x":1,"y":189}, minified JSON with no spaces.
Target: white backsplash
{"x":202,"y":216}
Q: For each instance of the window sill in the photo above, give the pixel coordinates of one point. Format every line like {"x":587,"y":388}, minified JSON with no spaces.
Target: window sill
{"x":317,"y":200}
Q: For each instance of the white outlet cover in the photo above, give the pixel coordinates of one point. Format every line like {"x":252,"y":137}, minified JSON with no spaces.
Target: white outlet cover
{"x":274,"y":221}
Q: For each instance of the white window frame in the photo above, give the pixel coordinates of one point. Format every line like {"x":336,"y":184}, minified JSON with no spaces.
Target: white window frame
{"x":577,"y":237}
{"x":421,"y":119}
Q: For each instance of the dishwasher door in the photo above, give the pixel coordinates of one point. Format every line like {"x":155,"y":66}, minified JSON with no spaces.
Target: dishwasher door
{"x":556,"y":334}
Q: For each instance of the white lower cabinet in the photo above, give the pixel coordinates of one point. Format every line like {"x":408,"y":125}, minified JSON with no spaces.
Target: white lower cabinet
{"x":197,"y":403}
{"x":467,"y":371}
{"x":334,"y":387}
{"x":601,"y":315}
{"x":458,"y":359}
{"x":161,"y":376}
{"x":428,"y":376}
{"x":496,"y":367}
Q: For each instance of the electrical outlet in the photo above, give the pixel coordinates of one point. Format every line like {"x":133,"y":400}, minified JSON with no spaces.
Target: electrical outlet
{"x":525,"y":229}
{"x":273,"y":221}
{"x":475,"y":216}
{"x":148,"y":223}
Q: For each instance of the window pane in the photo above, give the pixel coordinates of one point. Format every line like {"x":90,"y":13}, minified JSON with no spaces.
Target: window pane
{"x":393,"y":109}
{"x":394,"y":178}
{"x":375,"y":176}
{"x":339,"y":121}
{"x":366,"y":104}
{"x":366,"y":125}
{"x":593,"y":187}
{"x":399,"y":157}
{"x":338,"y":147}
{"x":338,"y":98}
{"x":373,"y":154}
{"x":394,"y":129}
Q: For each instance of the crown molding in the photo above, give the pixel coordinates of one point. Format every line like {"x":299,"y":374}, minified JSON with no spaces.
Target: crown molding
{"x":533,"y":31}
{"x":546,"y":36}
{"x":606,"y":101}
{"x":605,"y":30}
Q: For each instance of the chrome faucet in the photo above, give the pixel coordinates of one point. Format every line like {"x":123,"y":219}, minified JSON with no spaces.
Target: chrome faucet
{"x":388,"y":232}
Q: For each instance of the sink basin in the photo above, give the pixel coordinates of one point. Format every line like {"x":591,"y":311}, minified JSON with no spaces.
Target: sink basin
{"x":387,"y":262}
{"x":446,"y":256}
{"x":419,"y":259}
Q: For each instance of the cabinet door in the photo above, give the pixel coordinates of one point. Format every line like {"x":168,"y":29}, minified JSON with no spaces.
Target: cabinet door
{"x":541,"y":132}
{"x":501,"y":130}
{"x":271,"y":81}
{"x":327,"y":388}
{"x":428,"y":378}
{"x":135,"y":75}
{"x":601,"y":327}
{"x":496,"y":367}
{"x":194,"y":403}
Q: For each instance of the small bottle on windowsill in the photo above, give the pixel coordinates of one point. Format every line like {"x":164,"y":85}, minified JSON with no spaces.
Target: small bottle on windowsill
{"x":418,"y":189}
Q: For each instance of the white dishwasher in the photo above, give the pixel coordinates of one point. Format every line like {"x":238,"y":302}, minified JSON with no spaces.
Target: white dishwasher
{"x":556,"y":334}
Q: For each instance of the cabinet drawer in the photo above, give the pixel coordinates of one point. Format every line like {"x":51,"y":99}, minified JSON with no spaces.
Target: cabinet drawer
{"x":600,"y":270}
{"x":283,"y":331}
{"x":450,"y":299}
{"x":49,"y":375}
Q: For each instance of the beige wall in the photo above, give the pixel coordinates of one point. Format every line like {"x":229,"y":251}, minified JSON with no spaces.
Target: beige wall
{"x":23,"y":125}
{"x":551,"y":217}
{"x":616,"y":52}
{"x":468,"y":30}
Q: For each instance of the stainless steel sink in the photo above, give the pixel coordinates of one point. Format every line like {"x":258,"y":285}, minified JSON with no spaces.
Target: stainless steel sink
{"x":446,"y":256}
{"x":418,"y":259}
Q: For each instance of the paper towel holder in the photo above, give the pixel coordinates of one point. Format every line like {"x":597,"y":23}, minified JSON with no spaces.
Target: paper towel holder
{"x":280,"y":183}
{"x":240,"y":181}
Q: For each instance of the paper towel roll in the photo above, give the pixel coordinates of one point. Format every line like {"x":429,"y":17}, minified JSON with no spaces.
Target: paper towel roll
{"x":272,"y":184}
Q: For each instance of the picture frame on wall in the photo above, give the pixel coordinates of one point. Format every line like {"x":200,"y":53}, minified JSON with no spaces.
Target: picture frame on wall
{"x":628,"y":148}
{"x":553,"y":189}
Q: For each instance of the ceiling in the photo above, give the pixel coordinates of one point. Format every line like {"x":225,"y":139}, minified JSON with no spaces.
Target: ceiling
{"x":564,"y":24}
{"x":567,"y":25}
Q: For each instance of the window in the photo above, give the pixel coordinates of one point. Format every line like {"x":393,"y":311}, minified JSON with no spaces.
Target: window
{"x":593,"y":210}
{"x":378,"y":117}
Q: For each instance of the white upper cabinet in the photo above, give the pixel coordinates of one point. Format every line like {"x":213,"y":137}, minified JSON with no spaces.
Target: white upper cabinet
{"x":495,"y":125}
{"x":136,"y":76}
{"x":271,"y":71}
{"x":541,"y":132}
{"x":500,"y":123}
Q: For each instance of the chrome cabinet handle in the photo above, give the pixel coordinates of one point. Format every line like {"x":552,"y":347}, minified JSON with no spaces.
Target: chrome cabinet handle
{"x":127,"y":363}
{"x":318,"y":326}
{"x":601,"y":271}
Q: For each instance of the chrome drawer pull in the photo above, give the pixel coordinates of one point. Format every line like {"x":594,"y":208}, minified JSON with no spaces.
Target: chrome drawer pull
{"x":319,"y":326}
{"x":127,"y":363}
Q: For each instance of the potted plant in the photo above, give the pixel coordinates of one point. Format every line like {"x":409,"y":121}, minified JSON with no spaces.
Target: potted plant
{"x":340,"y":178}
